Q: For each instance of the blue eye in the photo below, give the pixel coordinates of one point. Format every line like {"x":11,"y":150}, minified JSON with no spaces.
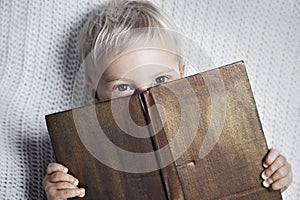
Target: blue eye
{"x":161,"y":79}
{"x":123,"y":87}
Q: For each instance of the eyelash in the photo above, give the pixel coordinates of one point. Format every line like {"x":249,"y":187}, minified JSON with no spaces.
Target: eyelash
{"x":117,"y":87}
{"x":164,"y":76}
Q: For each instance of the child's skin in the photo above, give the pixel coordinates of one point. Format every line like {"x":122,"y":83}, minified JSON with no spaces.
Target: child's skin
{"x":133,"y":73}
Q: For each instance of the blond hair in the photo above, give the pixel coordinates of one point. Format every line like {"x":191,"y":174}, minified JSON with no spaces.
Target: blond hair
{"x":118,"y":24}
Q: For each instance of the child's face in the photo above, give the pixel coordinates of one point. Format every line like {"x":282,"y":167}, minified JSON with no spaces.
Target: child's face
{"x":136,"y":71}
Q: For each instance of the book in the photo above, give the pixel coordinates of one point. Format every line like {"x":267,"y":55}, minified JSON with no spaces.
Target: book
{"x":198,"y":137}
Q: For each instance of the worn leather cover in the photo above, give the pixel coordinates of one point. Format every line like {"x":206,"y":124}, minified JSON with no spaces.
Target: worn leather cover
{"x":211,"y":130}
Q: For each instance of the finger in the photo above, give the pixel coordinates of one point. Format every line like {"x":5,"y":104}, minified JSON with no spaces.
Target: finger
{"x":50,"y":188}
{"x":63,"y":185}
{"x":66,"y":193}
{"x":282,"y":183}
{"x":54,"y":167}
{"x":281,"y":172}
{"x":270,"y":158}
{"x":278,"y":163}
{"x":62,"y":177}
{"x":278,"y":174}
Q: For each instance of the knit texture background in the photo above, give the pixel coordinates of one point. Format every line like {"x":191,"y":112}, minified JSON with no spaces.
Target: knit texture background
{"x":39,"y":60}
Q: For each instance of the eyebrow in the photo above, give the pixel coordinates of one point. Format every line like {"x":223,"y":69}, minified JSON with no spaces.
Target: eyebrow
{"x":113,"y":78}
{"x":168,"y":71}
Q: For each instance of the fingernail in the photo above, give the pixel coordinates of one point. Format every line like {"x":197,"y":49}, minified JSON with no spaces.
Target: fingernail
{"x":266,"y":184}
{"x":76,"y":182}
{"x":65,"y":170}
{"x":265,"y":165}
{"x":82,"y":191}
{"x":264,"y":176}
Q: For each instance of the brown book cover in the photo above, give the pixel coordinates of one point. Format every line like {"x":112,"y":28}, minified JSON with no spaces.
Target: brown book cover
{"x":194,"y":138}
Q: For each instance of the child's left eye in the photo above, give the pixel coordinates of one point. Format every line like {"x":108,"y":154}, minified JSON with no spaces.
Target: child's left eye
{"x":161,"y":79}
{"x":123,"y":87}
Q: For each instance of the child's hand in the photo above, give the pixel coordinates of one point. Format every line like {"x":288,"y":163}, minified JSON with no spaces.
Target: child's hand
{"x":60,"y":185}
{"x":278,"y":172}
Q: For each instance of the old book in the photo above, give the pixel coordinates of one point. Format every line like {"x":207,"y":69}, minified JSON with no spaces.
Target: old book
{"x":194,"y":138}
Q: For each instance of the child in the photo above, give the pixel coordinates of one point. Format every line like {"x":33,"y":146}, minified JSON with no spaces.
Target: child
{"x":107,"y":49}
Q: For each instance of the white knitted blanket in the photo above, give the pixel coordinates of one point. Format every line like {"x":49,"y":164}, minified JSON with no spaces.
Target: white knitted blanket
{"x":38,"y":62}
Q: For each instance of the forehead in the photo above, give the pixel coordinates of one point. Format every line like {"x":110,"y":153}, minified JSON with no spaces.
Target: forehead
{"x":142,"y":62}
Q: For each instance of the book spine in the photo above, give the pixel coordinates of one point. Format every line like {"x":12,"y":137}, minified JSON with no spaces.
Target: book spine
{"x":169,"y":174}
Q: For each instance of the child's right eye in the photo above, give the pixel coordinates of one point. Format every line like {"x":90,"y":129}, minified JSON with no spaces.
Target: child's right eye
{"x":123,"y":87}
